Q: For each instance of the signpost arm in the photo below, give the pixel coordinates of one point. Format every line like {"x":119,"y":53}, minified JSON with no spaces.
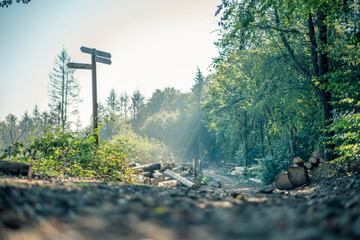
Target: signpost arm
{"x":94,"y":95}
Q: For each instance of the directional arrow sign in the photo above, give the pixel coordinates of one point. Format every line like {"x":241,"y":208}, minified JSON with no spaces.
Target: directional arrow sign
{"x":95,"y":52}
{"x":79,"y":65}
{"x":102,"y":60}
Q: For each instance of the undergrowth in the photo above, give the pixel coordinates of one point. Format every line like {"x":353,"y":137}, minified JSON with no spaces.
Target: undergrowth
{"x":65,"y":154}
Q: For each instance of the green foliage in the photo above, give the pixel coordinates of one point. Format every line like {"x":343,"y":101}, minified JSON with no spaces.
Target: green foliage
{"x":65,"y":154}
{"x":346,"y":129}
{"x":141,"y":149}
{"x":269,"y":167}
{"x":7,"y":3}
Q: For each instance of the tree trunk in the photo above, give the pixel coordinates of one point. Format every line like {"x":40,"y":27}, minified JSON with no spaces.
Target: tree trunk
{"x":181,"y":179}
{"x":148,"y":167}
{"x":314,"y":54}
{"x":262,"y":139}
{"x":171,"y":183}
{"x":16,"y":168}
{"x":159,"y":176}
{"x":245,"y":141}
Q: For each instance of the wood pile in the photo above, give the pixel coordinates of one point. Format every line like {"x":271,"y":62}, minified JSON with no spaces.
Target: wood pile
{"x":296,"y":176}
{"x":166,"y":175}
{"x":301,"y":172}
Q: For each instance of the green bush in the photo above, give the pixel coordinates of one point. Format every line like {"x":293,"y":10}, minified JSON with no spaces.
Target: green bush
{"x":142,"y":149}
{"x":269,"y":167}
{"x":64,"y":154}
{"x":346,"y":138}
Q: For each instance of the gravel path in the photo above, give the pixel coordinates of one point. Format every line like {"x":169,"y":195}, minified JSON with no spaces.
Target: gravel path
{"x":52,"y":209}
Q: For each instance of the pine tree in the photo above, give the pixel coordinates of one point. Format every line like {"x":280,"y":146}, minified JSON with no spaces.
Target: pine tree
{"x":63,"y":89}
{"x":137,"y":101}
{"x":112,"y":102}
{"x":199,"y":83}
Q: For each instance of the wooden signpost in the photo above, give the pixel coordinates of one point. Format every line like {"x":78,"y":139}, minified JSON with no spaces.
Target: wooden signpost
{"x":96,"y":56}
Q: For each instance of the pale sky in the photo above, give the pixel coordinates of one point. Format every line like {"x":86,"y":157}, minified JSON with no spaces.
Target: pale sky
{"x":154,"y":44}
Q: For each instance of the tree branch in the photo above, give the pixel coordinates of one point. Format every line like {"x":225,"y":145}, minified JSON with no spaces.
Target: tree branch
{"x":298,"y":66}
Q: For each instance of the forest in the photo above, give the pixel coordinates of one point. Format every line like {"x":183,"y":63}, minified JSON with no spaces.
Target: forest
{"x":285,"y":84}
{"x":264,"y":145}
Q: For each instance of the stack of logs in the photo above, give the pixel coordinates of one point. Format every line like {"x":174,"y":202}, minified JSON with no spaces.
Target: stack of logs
{"x":167,"y":175}
{"x":299,"y":174}
{"x":296,"y":176}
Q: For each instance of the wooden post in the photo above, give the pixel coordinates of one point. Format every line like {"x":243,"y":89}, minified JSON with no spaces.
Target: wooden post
{"x":194,"y":167}
{"x":199,"y":166}
{"x":94,"y":99}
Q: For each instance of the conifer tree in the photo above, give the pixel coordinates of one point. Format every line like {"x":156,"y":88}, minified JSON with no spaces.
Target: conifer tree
{"x":63,"y":89}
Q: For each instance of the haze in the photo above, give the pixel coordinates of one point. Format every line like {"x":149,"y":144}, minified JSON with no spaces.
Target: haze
{"x":154,"y":44}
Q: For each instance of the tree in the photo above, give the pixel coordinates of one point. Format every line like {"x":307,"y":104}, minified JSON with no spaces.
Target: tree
{"x":307,"y":32}
{"x":137,"y":101}
{"x":112,"y":102}
{"x":63,"y":89}
{"x":124,"y":104}
{"x":199,"y":83}
{"x":26,"y":126}
{"x":7,"y":3}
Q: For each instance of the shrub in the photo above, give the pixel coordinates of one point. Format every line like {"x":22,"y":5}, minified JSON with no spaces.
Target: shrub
{"x":270,"y":167}
{"x":65,"y":154}
{"x":346,"y":138}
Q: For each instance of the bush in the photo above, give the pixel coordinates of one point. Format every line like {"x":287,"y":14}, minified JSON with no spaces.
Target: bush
{"x":142,"y":149}
{"x":64,"y":154}
{"x":346,"y":129}
{"x":269,"y":167}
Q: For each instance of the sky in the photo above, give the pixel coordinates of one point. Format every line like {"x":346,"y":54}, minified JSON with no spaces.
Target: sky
{"x":154,"y":44}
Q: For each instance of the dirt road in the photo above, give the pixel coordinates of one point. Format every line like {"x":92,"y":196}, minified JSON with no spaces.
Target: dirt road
{"x":51,"y":209}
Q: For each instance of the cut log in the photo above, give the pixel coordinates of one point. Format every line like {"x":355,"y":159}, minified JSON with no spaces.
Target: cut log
{"x":282,"y":182}
{"x":295,"y":165}
{"x":178,"y":169}
{"x":313,"y":160}
{"x":171,"y":183}
{"x":181,"y":179}
{"x":154,"y":181}
{"x":197,"y":182}
{"x":167,"y":166}
{"x":159,"y":176}
{"x":138,"y":178}
{"x":148,"y":167}
{"x":16,"y":168}
{"x":185,"y":173}
{"x":147,"y":181}
{"x":298,"y":161}
{"x":308,"y":165}
{"x":132,"y":164}
{"x":298,"y":176}
{"x":147,"y":174}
